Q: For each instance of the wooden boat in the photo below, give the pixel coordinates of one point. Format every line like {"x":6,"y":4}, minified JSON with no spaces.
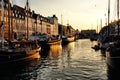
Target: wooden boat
{"x":113,"y":54}
{"x":67,"y":39}
{"x":19,"y":51}
{"x":94,"y":37}
{"x":114,"y":49}
{"x":50,"y":41}
{"x":53,"y":42}
{"x":113,"y":65}
{"x":16,"y":50}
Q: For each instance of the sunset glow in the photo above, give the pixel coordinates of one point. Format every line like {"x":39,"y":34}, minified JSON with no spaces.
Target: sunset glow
{"x":80,"y":14}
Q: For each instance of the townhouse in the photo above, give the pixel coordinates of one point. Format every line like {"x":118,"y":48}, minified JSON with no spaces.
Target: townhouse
{"x":21,"y":23}
{"x":6,"y":29}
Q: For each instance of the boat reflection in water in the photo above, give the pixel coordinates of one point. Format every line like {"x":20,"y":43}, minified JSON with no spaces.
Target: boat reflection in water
{"x":51,"y":51}
{"x":113,"y":64}
{"x":66,"y":54}
{"x":55,"y":51}
{"x":74,"y":61}
{"x":20,"y":71}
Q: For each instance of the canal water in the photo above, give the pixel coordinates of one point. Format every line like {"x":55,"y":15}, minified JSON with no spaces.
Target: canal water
{"x":73,"y":61}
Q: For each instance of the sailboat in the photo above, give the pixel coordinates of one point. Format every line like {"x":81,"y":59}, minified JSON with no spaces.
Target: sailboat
{"x":66,"y":32}
{"x":54,"y":38}
{"x":114,"y":49}
{"x":105,"y":38}
{"x":15,"y":51}
{"x":68,"y":36}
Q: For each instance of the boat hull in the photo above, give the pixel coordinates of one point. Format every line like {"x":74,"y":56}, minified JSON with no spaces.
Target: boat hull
{"x":54,"y":42}
{"x":12,"y":57}
{"x":51,"y":42}
{"x":68,"y":39}
{"x":113,"y":64}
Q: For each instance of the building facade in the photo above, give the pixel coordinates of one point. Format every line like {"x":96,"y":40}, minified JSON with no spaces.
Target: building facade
{"x":5,"y":22}
{"x":21,"y":23}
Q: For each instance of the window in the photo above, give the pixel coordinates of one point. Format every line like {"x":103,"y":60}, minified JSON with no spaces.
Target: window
{"x":4,"y":18}
{"x":7,"y":19}
{"x":6,"y":5}
{"x":16,"y":15}
{"x":13,"y":14}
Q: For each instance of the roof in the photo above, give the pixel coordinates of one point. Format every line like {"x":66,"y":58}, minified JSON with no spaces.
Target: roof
{"x":20,"y":9}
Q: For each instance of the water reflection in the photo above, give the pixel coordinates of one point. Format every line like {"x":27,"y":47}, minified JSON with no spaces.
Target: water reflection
{"x":73,"y":61}
{"x":103,"y":53}
{"x":66,"y":54}
{"x":55,"y":51}
{"x":113,"y":65}
{"x":19,"y":71}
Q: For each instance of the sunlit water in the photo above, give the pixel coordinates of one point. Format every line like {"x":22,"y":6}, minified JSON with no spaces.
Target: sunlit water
{"x":73,"y":61}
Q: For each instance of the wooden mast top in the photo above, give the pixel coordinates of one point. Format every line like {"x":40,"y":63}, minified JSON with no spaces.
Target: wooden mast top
{"x":27,"y":19}
{"x":118,"y":14}
{"x":108,"y":30}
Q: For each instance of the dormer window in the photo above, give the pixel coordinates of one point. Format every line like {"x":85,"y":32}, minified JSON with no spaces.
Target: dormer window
{"x":6,"y":5}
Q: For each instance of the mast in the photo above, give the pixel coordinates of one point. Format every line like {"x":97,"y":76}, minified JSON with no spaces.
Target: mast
{"x":97,"y":26}
{"x":101,"y":23}
{"x":118,"y":15}
{"x":108,"y":17}
{"x":27,"y":19}
{"x":2,"y":28}
{"x":9,"y":33}
{"x":61,"y":25}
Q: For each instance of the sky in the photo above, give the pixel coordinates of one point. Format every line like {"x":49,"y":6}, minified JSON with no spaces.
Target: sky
{"x":80,"y":14}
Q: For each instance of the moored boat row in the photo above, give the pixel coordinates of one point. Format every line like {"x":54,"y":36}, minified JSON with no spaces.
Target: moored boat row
{"x":25,"y":47}
{"x":17,"y":50}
